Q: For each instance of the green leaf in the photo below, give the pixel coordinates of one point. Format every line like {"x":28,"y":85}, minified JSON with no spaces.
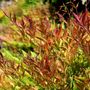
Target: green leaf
{"x":27,"y":81}
{"x":74,"y":86}
{"x":1,"y":14}
{"x":24,"y":53}
{"x":9,"y":55}
{"x":33,"y":54}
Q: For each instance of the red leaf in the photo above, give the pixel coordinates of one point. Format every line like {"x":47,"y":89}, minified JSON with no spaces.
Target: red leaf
{"x":78,"y":19}
{"x":22,"y":23}
{"x":84,"y":17}
{"x":14,"y":18}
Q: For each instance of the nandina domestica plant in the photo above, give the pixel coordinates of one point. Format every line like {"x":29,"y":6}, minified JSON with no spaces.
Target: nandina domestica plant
{"x":50,"y":60}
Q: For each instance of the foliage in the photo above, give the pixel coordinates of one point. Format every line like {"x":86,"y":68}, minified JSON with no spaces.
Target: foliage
{"x":66,"y":7}
{"x":34,"y":56}
{"x":78,"y":72}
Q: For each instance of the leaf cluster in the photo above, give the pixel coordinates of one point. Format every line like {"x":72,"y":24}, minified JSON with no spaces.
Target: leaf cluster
{"x":59,"y":59}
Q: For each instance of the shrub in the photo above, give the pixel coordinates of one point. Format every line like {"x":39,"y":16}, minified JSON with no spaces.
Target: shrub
{"x":52,"y":59}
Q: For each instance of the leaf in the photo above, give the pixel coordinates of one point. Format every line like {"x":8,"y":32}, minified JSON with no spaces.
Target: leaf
{"x":78,"y":19}
{"x":8,"y":55}
{"x":74,"y":86}
{"x":1,"y":14}
{"x":58,"y":32}
{"x":27,"y":81}
{"x":83,"y":1}
{"x":24,"y":53}
{"x":19,"y":44}
{"x":22,"y":23}
{"x":33,"y":54}
{"x":84,"y":17}
{"x":14,"y":18}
